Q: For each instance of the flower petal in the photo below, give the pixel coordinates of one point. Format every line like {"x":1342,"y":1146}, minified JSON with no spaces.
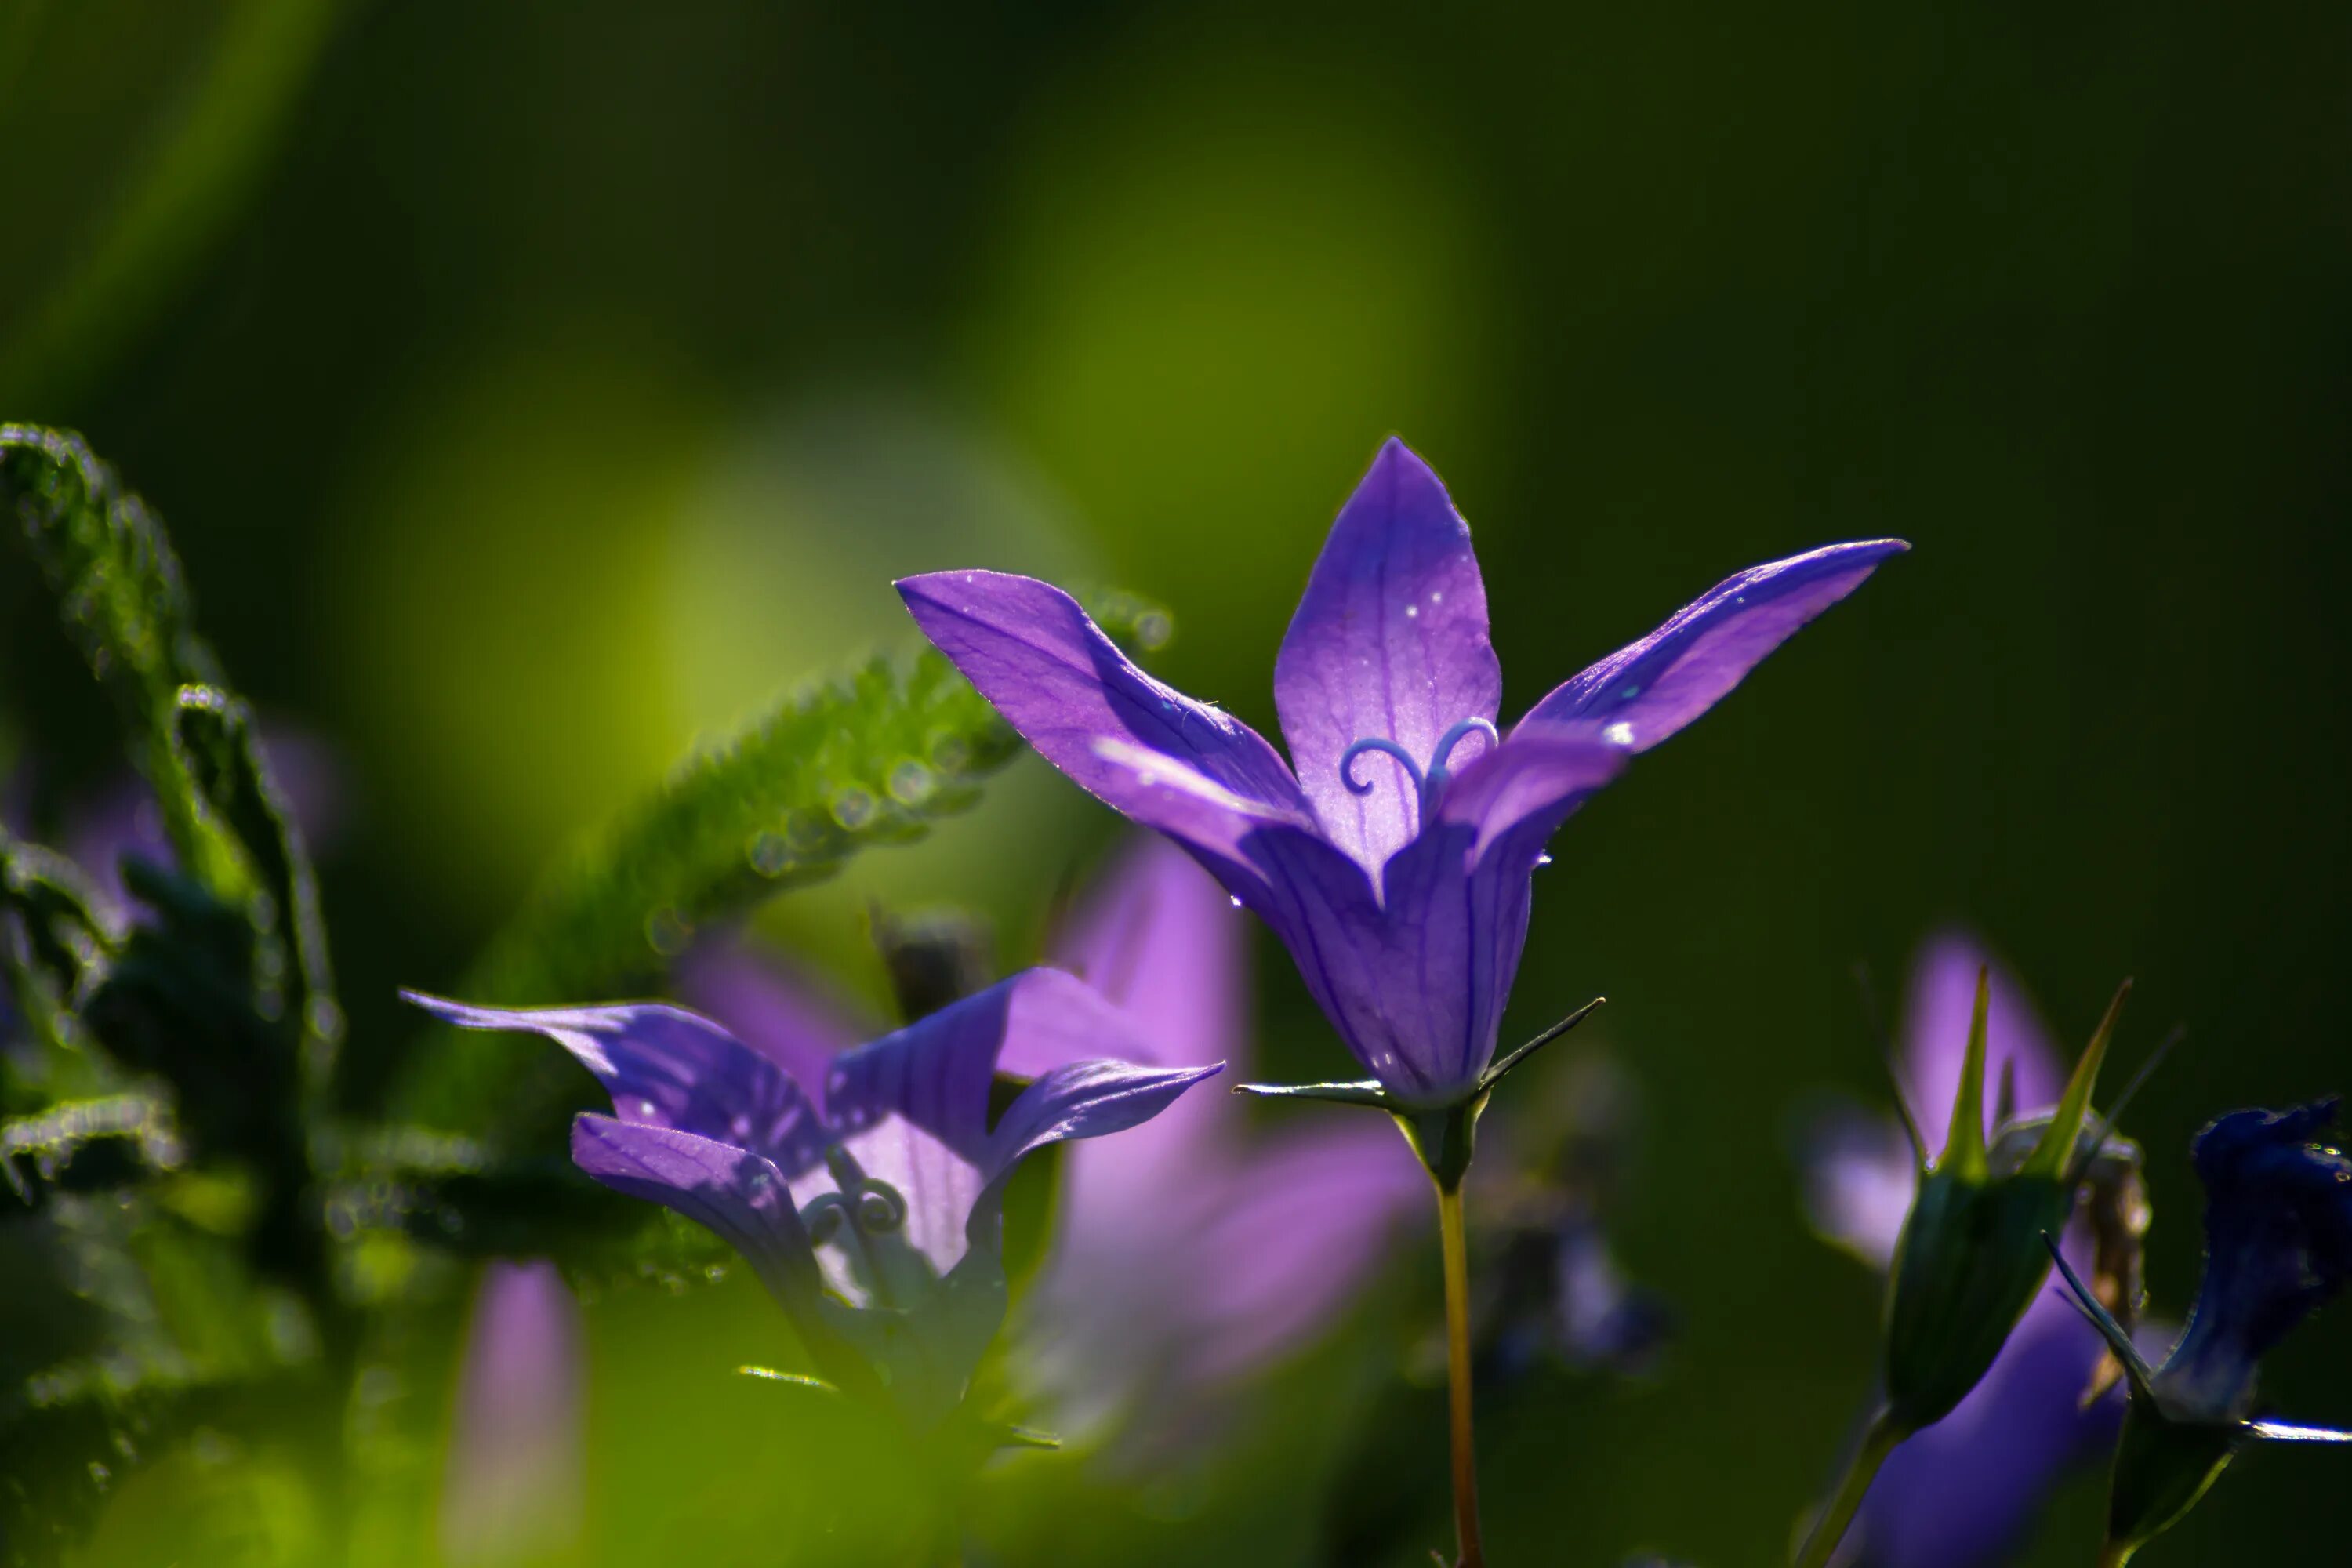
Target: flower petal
{"x":1455,"y":908}
{"x":666,"y":1066}
{"x":1940,"y":1003}
{"x":1860,"y":1180}
{"x":1389,"y":643}
{"x":1647,"y":691}
{"x":1049,"y":669}
{"x":1077,"y":1099}
{"x":736,"y":1194}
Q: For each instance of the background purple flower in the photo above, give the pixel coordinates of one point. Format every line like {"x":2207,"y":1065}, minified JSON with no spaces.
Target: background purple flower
{"x":1395,"y":863}
{"x":1962,"y":1492}
{"x":514,"y":1484}
{"x":1153,"y":1312}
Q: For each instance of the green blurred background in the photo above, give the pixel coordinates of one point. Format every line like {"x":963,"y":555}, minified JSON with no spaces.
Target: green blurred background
{"x":533,"y":388}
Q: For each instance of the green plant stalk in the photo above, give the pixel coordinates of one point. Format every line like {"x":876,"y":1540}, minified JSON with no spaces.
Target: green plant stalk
{"x":1829,"y":1528}
{"x":1455,"y":1243}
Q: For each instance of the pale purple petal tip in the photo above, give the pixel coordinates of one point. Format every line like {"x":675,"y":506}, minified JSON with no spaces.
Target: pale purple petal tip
{"x":1389,"y":642}
{"x":1646,"y":692}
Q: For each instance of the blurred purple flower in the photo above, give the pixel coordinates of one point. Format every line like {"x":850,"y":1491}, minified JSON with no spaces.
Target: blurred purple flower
{"x":1188,"y":1255}
{"x":1961,"y":1492}
{"x":514,"y":1483}
{"x":1399,"y":881}
{"x":1192,"y":1255}
{"x":887,"y":1192}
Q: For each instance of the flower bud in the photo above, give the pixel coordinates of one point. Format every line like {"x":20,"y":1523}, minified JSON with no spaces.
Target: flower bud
{"x":1971,"y":1257}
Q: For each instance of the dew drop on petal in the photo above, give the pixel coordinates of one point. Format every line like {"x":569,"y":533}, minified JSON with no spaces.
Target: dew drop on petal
{"x":1236,"y":901}
{"x":1619,"y":734}
{"x":1411,"y":611}
{"x":1542,"y":861}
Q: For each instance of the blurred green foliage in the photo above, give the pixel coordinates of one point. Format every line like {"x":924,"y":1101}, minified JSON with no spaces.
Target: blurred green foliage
{"x":494,"y":406}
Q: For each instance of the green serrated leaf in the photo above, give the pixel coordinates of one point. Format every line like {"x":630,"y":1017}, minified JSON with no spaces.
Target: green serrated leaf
{"x":122,"y":598}
{"x":84,"y":1145}
{"x":214,"y":737}
{"x":872,"y":758}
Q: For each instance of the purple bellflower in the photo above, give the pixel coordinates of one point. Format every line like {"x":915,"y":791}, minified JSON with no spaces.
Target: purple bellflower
{"x":1187,"y":1256}
{"x":1962,"y":1492}
{"x":872,"y":1214}
{"x":517,"y":1465}
{"x":1395,"y":861}
{"x":2278,"y":1247}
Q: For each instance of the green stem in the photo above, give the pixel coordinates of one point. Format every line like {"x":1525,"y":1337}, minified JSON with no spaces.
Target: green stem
{"x":1829,"y":1528}
{"x":1456,"y":1244}
{"x":2114,"y":1554}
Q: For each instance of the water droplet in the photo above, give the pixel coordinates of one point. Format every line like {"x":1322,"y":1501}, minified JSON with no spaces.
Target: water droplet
{"x":644,"y":1108}
{"x":853,"y":809}
{"x":1542,"y":861}
{"x":1411,"y":611}
{"x":1619,"y":734}
{"x":1152,"y":630}
{"x":769,"y":854}
{"x":100,"y":1475}
{"x":668,"y":931}
{"x":1437,"y":595}
{"x":911,"y":783}
{"x":1236,"y":902}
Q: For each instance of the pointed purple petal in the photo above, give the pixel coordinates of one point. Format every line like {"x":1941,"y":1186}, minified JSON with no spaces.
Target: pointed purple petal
{"x":1455,"y":905}
{"x":1646,"y":692}
{"x":736,"y":1194}
{"x":517,"y":1462}
{"x":1389,"y":643}
{"x":1056,"y":679}
{"x":1078,"y":1100}
{"x":1942,"y":1000}
{"x":666,"y":1066}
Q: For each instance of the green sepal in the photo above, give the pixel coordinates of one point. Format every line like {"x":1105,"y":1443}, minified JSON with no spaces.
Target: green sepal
{"x":1971,"y":1257}
{"x":1365,"y":1092}
{"x":1496,"y":1071}
{"x":1444,"y":1139}
{"x":1968,"y":1264}
{"x":2162,"y":1468}
{"x":2055,"y":1156}
{"x":789,"y":1379}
